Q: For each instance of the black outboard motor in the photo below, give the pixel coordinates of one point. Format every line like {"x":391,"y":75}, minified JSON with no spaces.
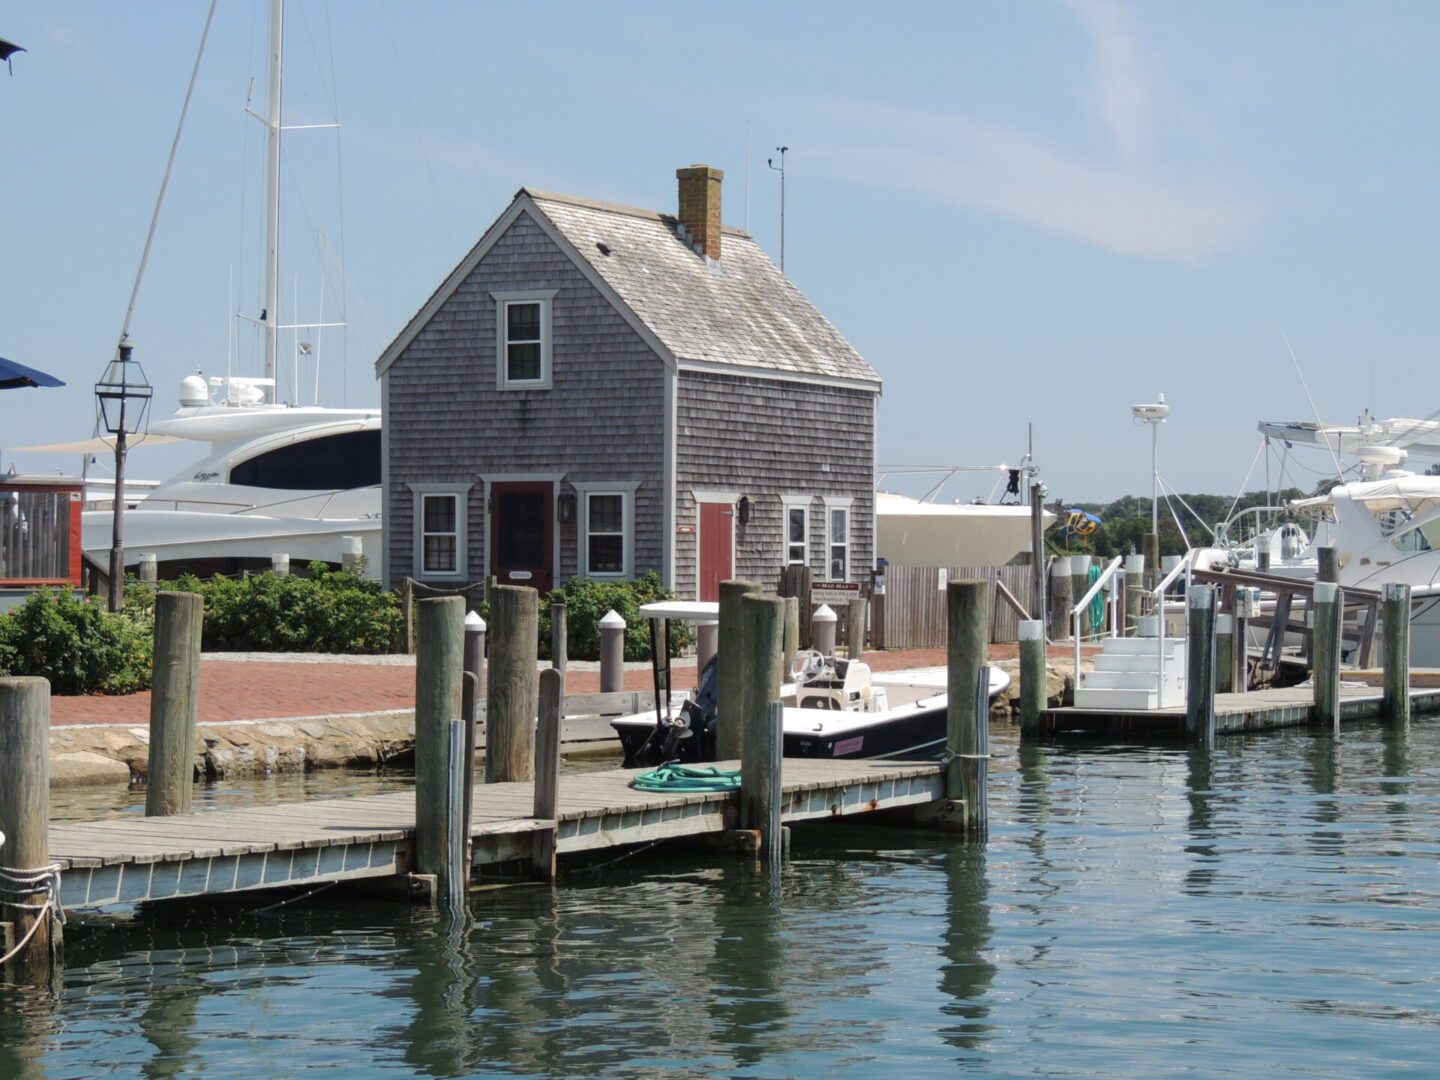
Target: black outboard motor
{"x":692,"y":737}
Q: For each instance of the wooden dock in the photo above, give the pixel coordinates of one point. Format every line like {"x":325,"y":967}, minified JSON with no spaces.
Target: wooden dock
{"x":1254,"y":710}
{"x":112,"y":862}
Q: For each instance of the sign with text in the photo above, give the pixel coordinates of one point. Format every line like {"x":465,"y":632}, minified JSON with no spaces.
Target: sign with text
{"x":834,"y":592}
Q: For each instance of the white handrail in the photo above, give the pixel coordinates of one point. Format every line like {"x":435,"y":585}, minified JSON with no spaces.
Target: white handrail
{"x":1159,"y":594}
{"x":1075,"y":612}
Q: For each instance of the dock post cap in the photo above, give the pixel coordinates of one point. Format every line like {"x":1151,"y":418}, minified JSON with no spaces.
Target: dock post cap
{"x":1032,"y":630}
{"x":612,"y":621}
{"x":824,"y":613}
{"x":474,"y":623}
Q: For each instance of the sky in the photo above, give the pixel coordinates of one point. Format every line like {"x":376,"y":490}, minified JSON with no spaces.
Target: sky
{"x":1020,"y":213}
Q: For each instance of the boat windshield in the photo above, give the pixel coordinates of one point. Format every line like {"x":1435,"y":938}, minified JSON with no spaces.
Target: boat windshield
{"x":340,"y":462}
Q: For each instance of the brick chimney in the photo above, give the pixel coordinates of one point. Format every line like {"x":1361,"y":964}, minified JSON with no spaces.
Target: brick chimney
{"x":700,"y":207}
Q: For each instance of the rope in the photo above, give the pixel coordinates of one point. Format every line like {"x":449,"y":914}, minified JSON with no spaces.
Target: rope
{"x":951,"y":754}
{"x":673,"y":777}
{"x":17,"y":883}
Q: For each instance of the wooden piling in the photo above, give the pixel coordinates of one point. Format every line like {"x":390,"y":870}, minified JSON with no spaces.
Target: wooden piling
{"x":729,"y":664}
{"x":967,"y":622}
{"x":1224,"y":650}
{"x":1059,"y":593}
{"x":174,"y":703}
{"x":1200,"y":664}
{"x":1032,"y":675}
{"x":559,"y":648}
{"x":1150,"y":552}
{"x":763,"y":635}
{"x":1397,"y":654}
{"x":407,"y":610}
{"x":1134,"y":593}
{"x":25,"y":823}
{"x":453,"y":880}
{"x":855,"y":628}
{"x":1079,"y":586}
{"x":1037,"y":550}
{"x":1243,"y":608}
{"x":1326,"y":566}
{"x":439,"y":664}
{"x":792,"y":632}
{"x":547,"y":772}
{"x":1329,"y":608}
{"x":612,"y":652}
{"x":510,"y":706}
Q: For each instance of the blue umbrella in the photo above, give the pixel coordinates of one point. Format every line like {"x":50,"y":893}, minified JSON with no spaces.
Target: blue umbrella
{"x":14,"y":375}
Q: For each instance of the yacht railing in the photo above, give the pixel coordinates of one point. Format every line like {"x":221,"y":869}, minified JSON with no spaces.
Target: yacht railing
{"x":1078,"y":610}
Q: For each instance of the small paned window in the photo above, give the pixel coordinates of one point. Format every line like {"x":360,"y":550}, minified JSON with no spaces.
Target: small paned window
{"x":524,"y":347}
{"x":440,"y":534}
{"x":839,"y":544}
{"x":796,"y":535}
{"x":605,"y":533}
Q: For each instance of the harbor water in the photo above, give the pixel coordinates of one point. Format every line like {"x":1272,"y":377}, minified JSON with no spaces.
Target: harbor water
{"x":1268,"y":907}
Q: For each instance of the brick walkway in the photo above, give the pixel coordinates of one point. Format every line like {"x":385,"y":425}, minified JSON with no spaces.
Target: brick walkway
{"x":260,"y":690}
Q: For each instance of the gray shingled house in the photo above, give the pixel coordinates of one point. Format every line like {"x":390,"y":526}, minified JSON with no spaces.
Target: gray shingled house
{"x":599,"y":390}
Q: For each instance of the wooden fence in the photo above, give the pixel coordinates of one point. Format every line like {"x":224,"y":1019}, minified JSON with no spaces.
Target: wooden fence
{"x":912,"y":612}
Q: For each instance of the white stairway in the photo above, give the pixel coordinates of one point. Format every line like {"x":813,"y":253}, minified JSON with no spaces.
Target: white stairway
{"x":1127,"y":677}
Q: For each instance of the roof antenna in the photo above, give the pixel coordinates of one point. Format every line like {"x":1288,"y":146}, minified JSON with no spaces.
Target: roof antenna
{"x":747,"y":176}
{"x":781,"y":170}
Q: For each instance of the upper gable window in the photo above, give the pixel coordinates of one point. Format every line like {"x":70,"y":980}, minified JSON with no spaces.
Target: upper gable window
{"x":522,"y":335}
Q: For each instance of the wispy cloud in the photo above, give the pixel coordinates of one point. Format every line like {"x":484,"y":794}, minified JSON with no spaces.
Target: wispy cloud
{"x":1118,"y":197}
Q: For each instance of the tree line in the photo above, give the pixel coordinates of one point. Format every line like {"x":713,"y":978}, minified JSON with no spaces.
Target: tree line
{"x":1124,"y":522}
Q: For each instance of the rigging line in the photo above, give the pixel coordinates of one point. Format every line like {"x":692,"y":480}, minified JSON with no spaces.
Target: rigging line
{"x":340,"y":210}
{"x":1171,"y":491}
{"x":1241,"y":493}
{"x":1175,"y":517}
{"x":315,"y":52}
{"x":169,"y":167}
{"x":415,"y":123}
{"x":462,"y":115}
{"x":244,"y":181}
{"x":1306,"y":386}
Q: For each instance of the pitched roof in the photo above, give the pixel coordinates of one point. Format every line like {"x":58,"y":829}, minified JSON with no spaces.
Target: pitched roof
{"x":736,"y":312}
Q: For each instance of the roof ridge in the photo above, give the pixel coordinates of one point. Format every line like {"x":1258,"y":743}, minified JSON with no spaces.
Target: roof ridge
{"x":616,"y":208}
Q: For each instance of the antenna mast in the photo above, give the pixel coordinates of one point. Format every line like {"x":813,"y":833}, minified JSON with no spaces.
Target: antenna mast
{"x":781,"y":170}
{"x":271,"y":314}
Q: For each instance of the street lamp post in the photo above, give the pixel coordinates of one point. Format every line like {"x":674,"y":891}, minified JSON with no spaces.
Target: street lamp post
{"x":124,"y":397}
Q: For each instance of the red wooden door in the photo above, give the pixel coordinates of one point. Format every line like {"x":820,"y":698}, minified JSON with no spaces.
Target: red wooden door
{"x":522,"y":535}
{"x":717,"y":562}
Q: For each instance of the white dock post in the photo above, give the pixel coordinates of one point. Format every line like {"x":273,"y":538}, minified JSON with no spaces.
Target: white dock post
{"x":280,"y":565}
{"x":149,"y":567}
{"x":352,"y":553}
{"x":822,"y":630}
{"x":612,"y":652}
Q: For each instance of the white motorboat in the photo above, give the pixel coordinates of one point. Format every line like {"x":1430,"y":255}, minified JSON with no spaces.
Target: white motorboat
{"x":833,"y":707}
{"x":928,"y":532}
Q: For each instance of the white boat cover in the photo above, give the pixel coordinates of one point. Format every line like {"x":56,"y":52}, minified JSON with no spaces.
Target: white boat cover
{"x":909,"y":532}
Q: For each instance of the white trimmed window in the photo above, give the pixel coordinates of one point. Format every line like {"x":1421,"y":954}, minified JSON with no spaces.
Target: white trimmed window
{"x":607,"y":529}
{"x":439,"y":531}
{"x":797,"y":529}
{"x":522,"y":335}
{"x":837,"y":538}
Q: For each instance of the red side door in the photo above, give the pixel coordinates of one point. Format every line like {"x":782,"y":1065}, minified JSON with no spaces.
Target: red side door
{"x":522,"y":531}
{"x":717,"y":561}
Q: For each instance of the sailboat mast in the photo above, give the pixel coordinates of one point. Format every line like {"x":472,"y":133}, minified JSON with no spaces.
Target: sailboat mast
{"x":272,"y":194}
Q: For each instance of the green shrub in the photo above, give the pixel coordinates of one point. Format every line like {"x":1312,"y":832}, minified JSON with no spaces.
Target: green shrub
{"x":331,"y":611}
{"x":77,"y":644}
{"x":586,"y":602}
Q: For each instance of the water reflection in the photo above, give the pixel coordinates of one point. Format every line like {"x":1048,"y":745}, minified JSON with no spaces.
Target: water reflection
{"x":968,"y":973}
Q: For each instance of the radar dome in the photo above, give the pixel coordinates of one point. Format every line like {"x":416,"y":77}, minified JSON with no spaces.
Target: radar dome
{"x":193,"y":391}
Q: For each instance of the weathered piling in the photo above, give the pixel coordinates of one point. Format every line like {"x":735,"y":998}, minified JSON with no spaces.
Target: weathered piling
{"x":1079,"y":583}
{"x":792,"y":632}
{"x":174,"y":703}
{"x":439,"y":663}
{"x":1326,"y":566}
{"x":1240,"y":646}
{"x":1224,"y":650}
{"x":763,"y":635}
{"x":28,"y":881}
{"x":1329,"y":610}
{"x":1134,"y":592}
{"x":1037,"y":549}
{"x":149,"y":567}
{"x":1200,"y":664}
{"x":1032,"y":675}
{"x":967,"y":633}
{"x":612,"y":652}
{"x":823,"y":626}
{"x":559,"y":647}
{"x":510,"y":705}
{"x":729,"y":669}
{"x":407,"y":612}
{"x":1150,"y":552}
{"x":280,"y":565}
{"x":1397,"y":653}
{"x":547,"y":772}
{"x":454,"y":875}
{"x":1059,"y":592}
{"x":472,"y":691}
{"x":855,"y":628}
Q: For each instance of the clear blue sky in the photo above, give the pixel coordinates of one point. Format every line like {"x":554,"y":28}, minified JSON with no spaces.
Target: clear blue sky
{"x":1023,"y":211}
